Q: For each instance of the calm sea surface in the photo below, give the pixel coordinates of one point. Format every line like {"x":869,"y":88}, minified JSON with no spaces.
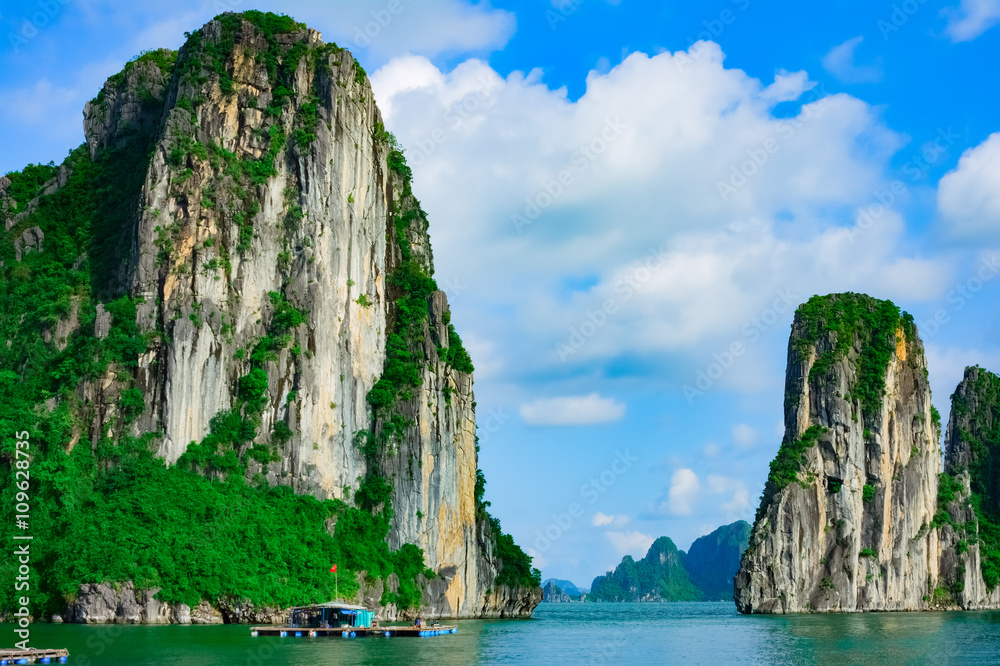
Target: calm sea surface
{"x":688,"y":633}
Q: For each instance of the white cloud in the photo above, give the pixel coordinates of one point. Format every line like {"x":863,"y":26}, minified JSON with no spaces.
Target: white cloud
{"x":687,"y":496}
{"x":744,"y":436}
{"x":684,"y":489}
{"x":738,"y":505}
{"x":969,"y":196}
{"x":840,"y":62}
{"x":710,"y":450}
{"x":630,"y":543}
{"x":538,"y":560}
{"x":603,"y":520}
{"x":573,"y":410}
{"x":971,"y":19}
{"x":427,"y":27}
{"x":675,"y":127}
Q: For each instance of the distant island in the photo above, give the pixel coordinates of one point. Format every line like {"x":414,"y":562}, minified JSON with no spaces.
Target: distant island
{"x":555,"y":590}
{"x":704,"y":573}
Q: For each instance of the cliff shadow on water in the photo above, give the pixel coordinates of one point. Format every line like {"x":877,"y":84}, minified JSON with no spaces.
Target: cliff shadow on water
{"x":224,"y":338}
{"x":857,"y":513}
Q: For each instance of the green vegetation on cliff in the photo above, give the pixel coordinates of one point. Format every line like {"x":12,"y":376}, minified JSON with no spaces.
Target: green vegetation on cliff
{"x":659,"y":576}
{"x":713,"y":559}
{"x":853,"y":320}
{"x":983,"y":441}
{"x":112,"y":511}
{"x":833,"y":325}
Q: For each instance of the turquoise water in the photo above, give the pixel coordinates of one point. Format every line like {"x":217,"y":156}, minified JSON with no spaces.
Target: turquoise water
{"x":686,"y":633}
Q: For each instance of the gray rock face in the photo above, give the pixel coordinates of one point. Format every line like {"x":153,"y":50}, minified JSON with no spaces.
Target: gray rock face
{"x":32,"y":240}
{"x":851,"y":532}
{"x":857,"y":527}
{"x":324,"y":238}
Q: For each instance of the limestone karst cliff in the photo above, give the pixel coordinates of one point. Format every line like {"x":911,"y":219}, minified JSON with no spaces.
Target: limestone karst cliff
{"x":241,"y":282}
{"x":850,"y":517}
{"x":969,"y":495}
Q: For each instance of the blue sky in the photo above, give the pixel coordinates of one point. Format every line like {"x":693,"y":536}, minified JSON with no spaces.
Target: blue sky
{"x":627,"y":201}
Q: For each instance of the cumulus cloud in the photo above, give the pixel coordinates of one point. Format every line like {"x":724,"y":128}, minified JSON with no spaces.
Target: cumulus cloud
{"x":538,"y":560}
{"x":684,"y":490}
{"x":744,"y":436}
{"x":603,"y":520}
{"x":573,"y":410}
{"x":630,"y":543}
{"x":971,"y":18}
{"x":574,"y":192}
{"x":840,"y":62}
{"x":738,"y":503}
{"x":718,"y":495}
{"x":969,"y":196}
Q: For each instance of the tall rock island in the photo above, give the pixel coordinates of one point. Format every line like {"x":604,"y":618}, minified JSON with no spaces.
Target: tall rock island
{"x":856,"y":514}
{"x":222,"y":333}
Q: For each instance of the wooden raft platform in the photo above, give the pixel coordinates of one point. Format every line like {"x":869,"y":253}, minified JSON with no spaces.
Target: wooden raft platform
{"x":354,"y":632}
{"x":33,"y":656}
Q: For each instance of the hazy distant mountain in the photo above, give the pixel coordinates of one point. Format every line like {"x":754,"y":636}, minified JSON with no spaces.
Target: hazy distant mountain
{"x":712,"y":560}
{"x":705,"y":573}
{"x":566,"y":586}
{"x":660,"y":576}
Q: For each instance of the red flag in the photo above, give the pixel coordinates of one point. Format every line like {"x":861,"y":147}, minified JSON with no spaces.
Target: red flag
{"x":334,"y":569}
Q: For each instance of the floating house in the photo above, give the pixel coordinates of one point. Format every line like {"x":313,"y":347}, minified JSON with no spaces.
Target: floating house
{"x":336,"y":618}
{"x":332,"y":615}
